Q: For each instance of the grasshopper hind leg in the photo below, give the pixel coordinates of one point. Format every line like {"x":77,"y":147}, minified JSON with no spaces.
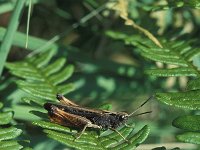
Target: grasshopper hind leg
{"x":78,"y":135}
{"x":90,"y":125}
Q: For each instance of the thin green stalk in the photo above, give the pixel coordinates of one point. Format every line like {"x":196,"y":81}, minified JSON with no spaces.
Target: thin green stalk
{"x":8,"y":37}
{"x":28,"y":22}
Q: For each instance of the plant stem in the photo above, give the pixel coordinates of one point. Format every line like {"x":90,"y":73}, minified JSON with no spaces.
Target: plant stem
{"x":8,"y":37}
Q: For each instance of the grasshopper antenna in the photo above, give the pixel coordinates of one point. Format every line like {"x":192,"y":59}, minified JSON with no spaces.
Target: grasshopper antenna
{"x":141,"y":107}
{"x":146,"y":112}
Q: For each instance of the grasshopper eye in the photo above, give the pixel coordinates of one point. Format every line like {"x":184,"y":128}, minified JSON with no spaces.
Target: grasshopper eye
{"x":122,"y":117}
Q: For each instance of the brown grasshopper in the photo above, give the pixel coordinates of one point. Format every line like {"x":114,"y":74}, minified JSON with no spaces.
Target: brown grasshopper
{"x":70,"y":114}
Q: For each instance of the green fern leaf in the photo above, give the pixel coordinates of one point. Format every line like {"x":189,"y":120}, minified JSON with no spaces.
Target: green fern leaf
{"x":90,"y":140}
{"x":8,"y":134}
{"x":194,"y":84}
{"x":10,"y":145}
{"x":5,"y":117}
{"x":187,"y":100}
{"x":182,"y":71}
{"x":42,"y":80}
{"x":190,"y":137}
{"x":188,"y":122}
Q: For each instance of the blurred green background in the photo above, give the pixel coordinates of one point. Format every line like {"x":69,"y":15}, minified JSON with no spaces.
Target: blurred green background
{"x":107,"y":71}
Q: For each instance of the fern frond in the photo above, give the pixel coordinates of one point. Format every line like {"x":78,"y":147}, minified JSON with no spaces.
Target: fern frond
{"x":189,"y":123}
{"x":179,"y":53}
{"x":8,"y":134}
{"x":42,"y":80}
{"x":189,"y":99}
{"x":121,"y":7}
{"x":90,"y":140}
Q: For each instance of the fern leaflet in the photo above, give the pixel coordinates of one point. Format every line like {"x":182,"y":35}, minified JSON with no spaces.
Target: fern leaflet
{"x":8,"y":134}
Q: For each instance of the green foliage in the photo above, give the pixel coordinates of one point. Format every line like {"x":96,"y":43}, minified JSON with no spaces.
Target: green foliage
{"x":189,"y":123}
{"x":7,"y":41}
{"x":180,"y":54}
{"x":105,"y":70}
{"x":106,"y":140}
{"x":43,"y":81}
{"x":184,"y":3}
{"x":34,"y":44}
{"x":187,"y":100}
{"x":8,"y":133}
{"x":5,"y":117}
{"x":173,"y":4}
{"x":190,"y":137}
{"x":184,"y":122}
